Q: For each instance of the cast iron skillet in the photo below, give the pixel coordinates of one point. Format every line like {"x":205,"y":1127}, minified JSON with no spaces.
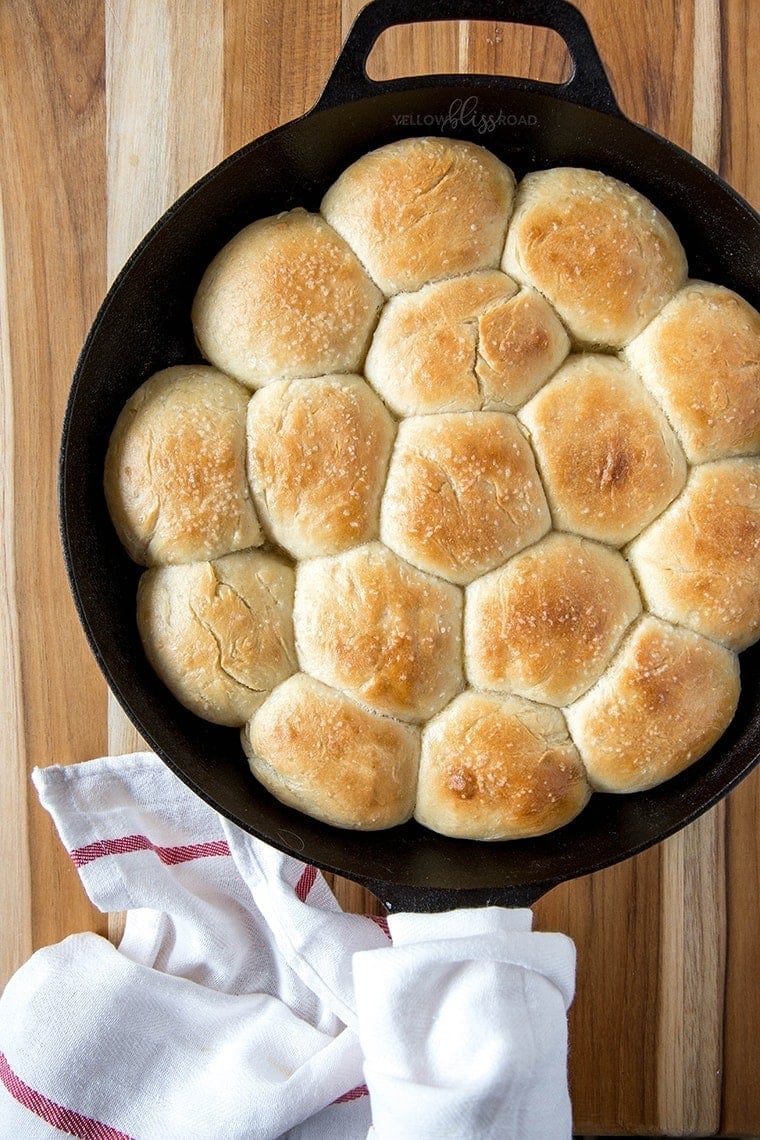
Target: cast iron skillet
{"x":144,"y":325}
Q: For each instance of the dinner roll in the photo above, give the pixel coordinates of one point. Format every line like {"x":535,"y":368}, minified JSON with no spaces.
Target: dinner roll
{"x":318,"y":452}
{"x":175,"y":477}
{"x":699,"y":563}
{"x":420,"y":209}
{"x":319,"y":751}
{"x":386,"y":633}
{"x":664,"y":701}
{"x":464,"y":344}
{"x":219,"y":634}
{"x":498,"y":767}
{"x":609,"y":461}
{"x":700,"y":358}
{"x":285,"y":297}
{"x":462,"y":493}
{"x":546,"y":625}
{"x":599,"y":251}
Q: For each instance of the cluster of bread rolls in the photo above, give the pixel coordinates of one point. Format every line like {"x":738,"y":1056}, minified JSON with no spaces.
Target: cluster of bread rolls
{"x":461,"y":520}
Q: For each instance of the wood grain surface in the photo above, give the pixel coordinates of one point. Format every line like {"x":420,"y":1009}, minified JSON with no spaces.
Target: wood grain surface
{"x":108,"y":111}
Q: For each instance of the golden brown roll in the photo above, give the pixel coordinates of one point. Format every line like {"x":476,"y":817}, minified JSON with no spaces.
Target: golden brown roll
{"x":384,"y":632}
{"x":421,"y":209}
{"x":498,"y":767}
{"x":317,"y":750}
{"x":462,"y":493}
{"x":700,"y":358}
{"x":464,"y":344}
{"x":285,"y":297}
{"x":219,"y":634}
{"x":599,"y":251}
{"x":664,"y":701}
{"x":609,"y":461}
{"x":699,"y":564}
{"x":175,"y":478}
{"x":546,"y":625}
{"x":318,"y":452}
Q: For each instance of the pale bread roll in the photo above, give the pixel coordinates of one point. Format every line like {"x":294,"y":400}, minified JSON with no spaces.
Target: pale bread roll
{"x":498,"y":767}
{"x":318,"y":751}
{"x":546,"y":624}
{"x":219,"y":634}
{"x":387,"y":634}
{"x":285,"y":297}
{"x":664,"y":701}
{"x":421,"y":209}
{"x":699,"y":564}
{"x":609,"y":461}
{"x":175,"y":478}
{"x":318,"y":452}
{"x":464,"y":344}
{"x":599,"y":251}
{"x":462,"y":493}
{"x":700,"y":359}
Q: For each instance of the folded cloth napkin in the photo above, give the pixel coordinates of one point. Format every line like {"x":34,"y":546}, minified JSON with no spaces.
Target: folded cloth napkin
{"x":243,"y":1003}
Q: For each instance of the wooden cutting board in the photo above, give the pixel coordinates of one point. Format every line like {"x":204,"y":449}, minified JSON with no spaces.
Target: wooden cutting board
{"x":107,"y":112}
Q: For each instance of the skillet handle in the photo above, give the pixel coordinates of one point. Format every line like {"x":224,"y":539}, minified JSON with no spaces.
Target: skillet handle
{"x":433,"y":900}
{"x":588,"y":85}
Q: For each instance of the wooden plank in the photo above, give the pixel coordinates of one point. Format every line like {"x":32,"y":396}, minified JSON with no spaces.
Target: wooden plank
{"x":415,"y":49}
{"x":648,"y":54}
{"x":51,"y":137}
{"x":156,"y":147}
{"x":740,"y":166}
{"x":693,"y":900}
{"x":165,"y":130}
{"x":137,"y":79}
{"x":276,"y":60}
{"x":613,"y":1020}
{"x":16,"y":881}
{"x":741,"y":1056}
{"x":489,"y":48}
{"x":654,"y":957}
{"x":692,"y":978}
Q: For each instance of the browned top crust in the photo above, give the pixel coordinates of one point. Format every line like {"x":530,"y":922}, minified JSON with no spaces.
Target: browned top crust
{"x":421,"y":209}
{"x":700,"y":358}
{"x":318,"y":453}
{"x":609,"y":461}
{"x":699,"y":563}
{"x":220,"y":634}
{"x":317,"y":750}
{"x":498,"y":767}
{"x":383,"y":631}
{"x":599,"y":251}
{"x":546,"y":624}
{"x":462,"y":494}
{"x":175,"y":476}
{"x":285,"y":297}
{"x":465,"y":344}
{"x":664,"y":701}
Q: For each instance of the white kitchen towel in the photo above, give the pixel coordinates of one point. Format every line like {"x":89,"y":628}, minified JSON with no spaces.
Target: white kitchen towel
{"x":243,"y":1003}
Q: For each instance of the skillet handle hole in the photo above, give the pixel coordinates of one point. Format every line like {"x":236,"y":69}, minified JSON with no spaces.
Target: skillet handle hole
{"x":470,"y":47}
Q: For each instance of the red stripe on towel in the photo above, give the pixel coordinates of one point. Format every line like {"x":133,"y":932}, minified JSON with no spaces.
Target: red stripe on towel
{"x":306,"y":882}
{"x":128,"y":843}
{"x":381,"y":921}
{"x":64,"y":1119}
{"x":352,"y":1094}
